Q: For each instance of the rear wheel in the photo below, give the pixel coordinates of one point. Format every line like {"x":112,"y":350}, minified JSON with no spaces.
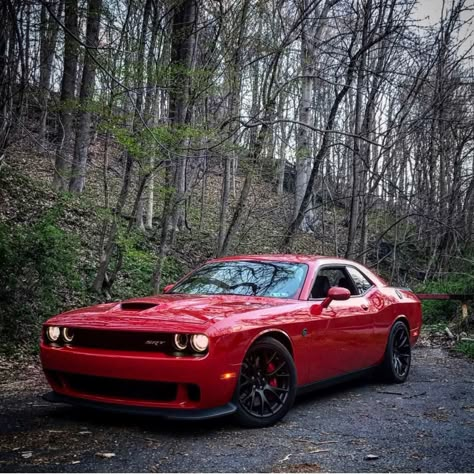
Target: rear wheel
{"x":397,"y":360}
{"x":267,"y":384}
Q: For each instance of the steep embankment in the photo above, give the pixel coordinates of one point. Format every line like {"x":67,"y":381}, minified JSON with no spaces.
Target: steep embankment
{"x":50,"y":242}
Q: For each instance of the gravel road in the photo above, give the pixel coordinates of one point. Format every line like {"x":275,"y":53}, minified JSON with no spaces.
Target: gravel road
{"x":426,"y":424}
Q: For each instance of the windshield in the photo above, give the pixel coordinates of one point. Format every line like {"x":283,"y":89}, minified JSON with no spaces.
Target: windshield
{"x":276,"y":279}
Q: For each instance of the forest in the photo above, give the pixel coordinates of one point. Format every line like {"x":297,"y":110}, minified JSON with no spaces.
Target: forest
{"x":139,"y":138}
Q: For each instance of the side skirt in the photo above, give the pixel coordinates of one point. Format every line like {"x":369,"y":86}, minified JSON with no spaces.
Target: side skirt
{"x":321,"y":384}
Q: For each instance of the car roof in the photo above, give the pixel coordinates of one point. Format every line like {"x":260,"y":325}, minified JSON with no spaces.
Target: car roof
{"x":291,"y":258}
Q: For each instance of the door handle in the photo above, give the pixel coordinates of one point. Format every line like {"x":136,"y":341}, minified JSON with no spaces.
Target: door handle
{"x":364,"y":307}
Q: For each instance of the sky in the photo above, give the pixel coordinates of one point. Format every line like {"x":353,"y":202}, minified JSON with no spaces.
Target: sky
{"x":429,"y":12}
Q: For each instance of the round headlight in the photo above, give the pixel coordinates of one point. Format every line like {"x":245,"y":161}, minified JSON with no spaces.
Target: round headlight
{"x":53,"y":333}
{"x":68,"y":335}
{"x":199,"y":342}
{"x":180,"y":341}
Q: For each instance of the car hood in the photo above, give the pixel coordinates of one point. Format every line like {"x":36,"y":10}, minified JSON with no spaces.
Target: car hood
{"x":167,"y":310}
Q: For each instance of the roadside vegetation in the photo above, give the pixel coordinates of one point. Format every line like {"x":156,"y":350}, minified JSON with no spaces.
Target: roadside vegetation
{"x":139,"y":138}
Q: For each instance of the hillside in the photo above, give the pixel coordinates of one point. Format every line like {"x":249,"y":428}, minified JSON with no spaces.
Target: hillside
{"x":141,"y":138}
{"x":50,"y":241}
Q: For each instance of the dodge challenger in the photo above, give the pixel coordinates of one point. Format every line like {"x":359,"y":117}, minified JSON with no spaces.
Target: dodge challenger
{"x":240,"y":335}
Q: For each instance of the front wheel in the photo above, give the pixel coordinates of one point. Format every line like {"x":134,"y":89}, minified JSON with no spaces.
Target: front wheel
{"x":397,"y":360}
{"x":267,"y":384}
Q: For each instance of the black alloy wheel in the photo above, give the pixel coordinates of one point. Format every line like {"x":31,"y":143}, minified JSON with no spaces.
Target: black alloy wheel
{"x":267,"y":384}
{"x":397,"y":361}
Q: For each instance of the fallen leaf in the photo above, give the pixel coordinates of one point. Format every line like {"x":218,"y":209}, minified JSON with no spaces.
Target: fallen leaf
{"x":314,"y":451}
{"x":285,"y":458}
{"x":371,"y":457}
{"x":105,"y":455}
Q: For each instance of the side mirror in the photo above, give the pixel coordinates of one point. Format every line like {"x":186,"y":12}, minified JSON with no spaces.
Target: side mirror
{"x":335,"y":293}
{"x":168,"y":288}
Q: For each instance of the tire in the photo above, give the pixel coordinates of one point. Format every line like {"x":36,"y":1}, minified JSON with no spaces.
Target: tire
{"x":397,"y":360}
{"x":267,"y":384}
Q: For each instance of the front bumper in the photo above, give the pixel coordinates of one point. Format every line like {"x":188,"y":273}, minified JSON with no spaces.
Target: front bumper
{"x":167,"y":413}
{"x":129,"y":370}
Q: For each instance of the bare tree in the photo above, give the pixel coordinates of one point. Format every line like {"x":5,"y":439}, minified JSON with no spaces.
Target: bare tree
{"x":81,"y":148}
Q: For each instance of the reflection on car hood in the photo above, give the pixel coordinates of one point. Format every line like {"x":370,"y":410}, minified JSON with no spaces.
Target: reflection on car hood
{"x":169,"y":308}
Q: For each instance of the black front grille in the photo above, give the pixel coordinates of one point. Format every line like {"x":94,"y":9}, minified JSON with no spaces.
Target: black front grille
{"x":121,"y":388}
{"x":123,"y":340}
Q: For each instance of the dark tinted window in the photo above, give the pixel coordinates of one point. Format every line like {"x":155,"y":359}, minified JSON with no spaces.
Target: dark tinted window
{"x":329,"y":277}
{"x":360,"y":281}
{"x":277,"y":279}
{"x":332,"y":276}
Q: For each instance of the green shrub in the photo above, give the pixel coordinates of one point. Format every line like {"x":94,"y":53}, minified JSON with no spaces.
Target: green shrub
{"x":445,"y":310}
{"x":466,"y":348}
{"x":138,"y":265}
{"x":37,"y":273}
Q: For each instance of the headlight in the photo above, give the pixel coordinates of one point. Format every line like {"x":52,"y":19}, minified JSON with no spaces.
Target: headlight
{"x":53,"y":333}
{"x":68,"y":335}
{"x":199,"y":342}
{"x":180,"y":341}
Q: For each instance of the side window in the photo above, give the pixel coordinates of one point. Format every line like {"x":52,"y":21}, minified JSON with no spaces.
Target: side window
{"x":329,"y":277}
{"x":360,"y":281}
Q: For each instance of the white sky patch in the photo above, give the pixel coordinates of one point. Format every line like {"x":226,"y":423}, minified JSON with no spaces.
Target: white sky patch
{"x":428,"y":13}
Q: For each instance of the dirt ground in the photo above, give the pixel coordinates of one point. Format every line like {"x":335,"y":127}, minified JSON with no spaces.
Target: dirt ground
{"x":426,"y":425}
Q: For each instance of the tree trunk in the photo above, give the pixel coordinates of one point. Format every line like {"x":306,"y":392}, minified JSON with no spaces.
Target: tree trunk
{"x":182,"y":46}
{"x":106,"y":255}
{"x":68,"y":93}
{"x":81,"y":149}
{"x":49,"y":34}
{"x":312,"y":32}
{"x":357,"y":165}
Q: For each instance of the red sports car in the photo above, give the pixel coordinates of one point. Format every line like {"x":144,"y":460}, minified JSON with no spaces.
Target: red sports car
{"x":239,"y":335}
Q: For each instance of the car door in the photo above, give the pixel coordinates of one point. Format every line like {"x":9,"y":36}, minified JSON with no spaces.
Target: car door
{"x":345,"y":330}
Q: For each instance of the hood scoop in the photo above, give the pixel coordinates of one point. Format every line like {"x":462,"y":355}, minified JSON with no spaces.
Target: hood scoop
{"x":137,"y":306}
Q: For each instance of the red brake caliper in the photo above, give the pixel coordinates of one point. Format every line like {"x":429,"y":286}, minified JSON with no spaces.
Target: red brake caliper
{"x":270,"y":368}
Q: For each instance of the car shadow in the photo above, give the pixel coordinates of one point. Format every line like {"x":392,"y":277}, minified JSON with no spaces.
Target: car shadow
{"x":97,"y":418}
{"x":337,"y":390}
{"x":186,"y":428}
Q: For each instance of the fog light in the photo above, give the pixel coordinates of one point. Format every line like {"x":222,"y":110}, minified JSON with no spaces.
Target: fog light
{"x":199,"y":342}
{"x":68,"y":335}
{"x":53,"y":333}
